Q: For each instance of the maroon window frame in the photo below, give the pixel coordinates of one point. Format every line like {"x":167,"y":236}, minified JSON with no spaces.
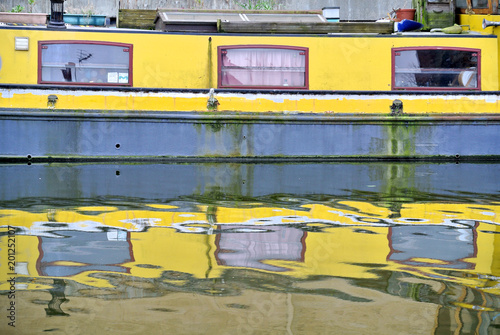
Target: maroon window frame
{"x":222,"y":50}
{"x":439,"y":71}
{"x":78,"y":58}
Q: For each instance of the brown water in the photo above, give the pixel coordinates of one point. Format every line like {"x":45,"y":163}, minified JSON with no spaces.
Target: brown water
{"x":250,"y":249}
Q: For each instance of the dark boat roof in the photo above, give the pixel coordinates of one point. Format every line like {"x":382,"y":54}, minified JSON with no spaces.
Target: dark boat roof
{"x":275,"y":22}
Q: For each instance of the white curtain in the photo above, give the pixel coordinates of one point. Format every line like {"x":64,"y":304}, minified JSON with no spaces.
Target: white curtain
{"x":263,"y":67}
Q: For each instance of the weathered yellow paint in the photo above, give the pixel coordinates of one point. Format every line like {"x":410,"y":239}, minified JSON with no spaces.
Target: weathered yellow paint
{"x":189,"y":61}
{"x":173,"y":62}
{"x":475,"y":23}
{"x":253,"y":103}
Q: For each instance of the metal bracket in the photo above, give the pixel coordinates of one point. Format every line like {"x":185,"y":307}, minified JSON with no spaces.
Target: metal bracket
{"x":51,"y":101}
{"x":396,"y":107}
{"x":212,"y":102}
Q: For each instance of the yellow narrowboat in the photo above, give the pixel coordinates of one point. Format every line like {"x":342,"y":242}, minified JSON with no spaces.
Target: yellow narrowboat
{"x":209,"y":87}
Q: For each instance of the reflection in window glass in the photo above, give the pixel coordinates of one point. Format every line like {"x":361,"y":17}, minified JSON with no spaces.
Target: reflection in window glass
{"x":436,"y":68}
{"x":263,"y":67}
{"x":85,"y":63}
{"x":479,"y":3}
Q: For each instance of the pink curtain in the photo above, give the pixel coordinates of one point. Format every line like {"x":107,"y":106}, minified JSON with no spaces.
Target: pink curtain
{"x":263,"y":67}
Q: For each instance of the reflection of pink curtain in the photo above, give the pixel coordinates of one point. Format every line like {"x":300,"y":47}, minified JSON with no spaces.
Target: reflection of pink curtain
{"x":263,"y":67}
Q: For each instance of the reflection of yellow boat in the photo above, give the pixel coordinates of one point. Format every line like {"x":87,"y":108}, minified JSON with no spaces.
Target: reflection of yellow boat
{"x":344,"y":239}
{"x":260,"y":262}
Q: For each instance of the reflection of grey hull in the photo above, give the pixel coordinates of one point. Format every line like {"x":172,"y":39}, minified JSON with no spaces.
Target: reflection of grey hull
{"x":368,"y":182}
{"x":52,"y":134}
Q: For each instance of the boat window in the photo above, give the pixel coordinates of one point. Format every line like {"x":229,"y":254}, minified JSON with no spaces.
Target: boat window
{"x":436,"y":68}
{"x":85,"y":63}
{"x":480,"y":3}
{"x":274,"y":67}
{"x":476,"y":6}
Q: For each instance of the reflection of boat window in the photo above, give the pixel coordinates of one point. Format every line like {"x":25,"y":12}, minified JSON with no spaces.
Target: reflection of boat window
{"x":90,"y":251}
{"x":438,"y":68}
{"x":415,"y":245}
{"x":263,"y":66}
{"x":253,"y":250}
{"x":88,"y":63}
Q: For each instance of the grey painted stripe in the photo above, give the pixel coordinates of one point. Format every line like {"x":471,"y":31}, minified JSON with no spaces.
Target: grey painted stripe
{"x":138,"y":116}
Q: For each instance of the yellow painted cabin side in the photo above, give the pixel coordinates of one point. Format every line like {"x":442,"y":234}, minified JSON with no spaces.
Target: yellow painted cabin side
{"x":475,"y":23}
{"x":184,"y":61}
{"x":205,"y":93}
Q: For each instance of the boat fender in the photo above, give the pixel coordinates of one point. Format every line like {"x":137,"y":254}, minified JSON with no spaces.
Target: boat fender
{"x":397,"y":107}
{"x":408,"y":25}
{"x":455,"y":29}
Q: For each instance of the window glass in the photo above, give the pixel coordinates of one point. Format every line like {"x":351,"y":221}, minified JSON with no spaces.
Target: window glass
{"x":461,"y":3}
{"x":479,"y":3}
{"x":436,"y":68}
{"x":85,"y":63}
{"x":263,"y":67}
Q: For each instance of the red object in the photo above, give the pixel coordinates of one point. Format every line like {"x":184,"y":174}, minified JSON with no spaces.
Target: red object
{"x":404,"y":13}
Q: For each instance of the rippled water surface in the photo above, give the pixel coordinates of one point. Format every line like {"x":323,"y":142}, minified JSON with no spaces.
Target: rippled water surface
{"x":250,"y":249}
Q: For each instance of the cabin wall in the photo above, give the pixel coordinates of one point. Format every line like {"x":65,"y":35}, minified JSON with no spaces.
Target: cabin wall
{"x":168,"y":61}
{"x":475,"y":23}
{"x":190,"y":61}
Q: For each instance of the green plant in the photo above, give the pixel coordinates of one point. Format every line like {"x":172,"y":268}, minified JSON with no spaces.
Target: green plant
{"x":258,"y":5}
{"x":31,"y":3}
{"x":88,"y":13}
{"x":17,"y":9}
{"x":87,"y":10}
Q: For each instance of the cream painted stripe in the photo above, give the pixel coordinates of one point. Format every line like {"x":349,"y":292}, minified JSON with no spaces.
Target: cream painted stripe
{"x":9,"y":94}
{"x":364,"y":97}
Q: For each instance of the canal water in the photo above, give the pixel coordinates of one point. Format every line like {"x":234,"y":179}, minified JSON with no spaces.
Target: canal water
{"x":373,"y":248}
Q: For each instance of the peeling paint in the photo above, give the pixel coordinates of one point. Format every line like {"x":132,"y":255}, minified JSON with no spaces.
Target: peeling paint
{"x":95,"y":135}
